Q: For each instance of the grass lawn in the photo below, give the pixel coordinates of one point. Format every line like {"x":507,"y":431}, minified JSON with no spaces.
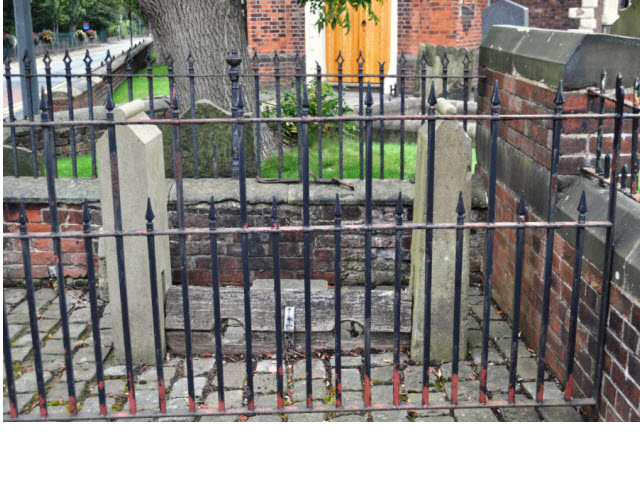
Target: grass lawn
{"x":141,"y":86}
{"x":83,"y":162}
{"x":351,"y":159}
{"x":330,"y":167}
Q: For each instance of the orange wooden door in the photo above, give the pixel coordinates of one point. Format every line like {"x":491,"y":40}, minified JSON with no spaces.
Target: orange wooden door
{"x":373,"y":40}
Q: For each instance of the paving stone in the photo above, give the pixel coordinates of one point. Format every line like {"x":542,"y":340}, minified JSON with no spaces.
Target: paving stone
{"x":517,"y":414}
{"x":13,"y":296}
{"x":87,"y":354}
{"x":25,"y":340}
{"x":27,"y":382}
{"x":352,"y":398}
{"x":15,"y":331}
{"x":347,"y":361}
{"x":148,"y":380}
{"x":382,"y":394}
{"x":318,"y":388}
{"x":113,"y":388}
{"x":500,"y":330}
{"x":386,"y":358}
{"x":350,"y":379}
{"x":91,"y":406}
{"x":413,"y":379}
{"x":267,"y":366}
{"x":42,"y":298}
{"x":265,"y":418}
{"x":551,"y":391}
{"x":493,"y":356}
{"x":18,"y":318}
{"x":350,"y":418}
{"x":307,"y":417}
{"x":478,"y":310}
{"x":84,"y":372}
{"x":173,"y":361}
{"x":71,"y":296}
{"x":234,"y":375}
{"x":467,"y":391}
{"x":497,"y":378}
{"x":179,"y":388}
{"x":58,"y":410}
{"x":474,"y":339}
{"x":390,"y":416}
{"x":264,"y":383}
{"x":20,"y":354}
{"x":147,"y":400}
{"x":437,"y":397}
{"x":175,"y":405}
{"x":75,"y":331}
{"x":81,"y":315}
{"x":265,"y":401}
{"x":232,"y":399}
{"x":527,"y":369}
{"x":435,"y":418}
{"x":52,"y":347}
{"x":560,"y":414}
{"x":219,"y":418}
{"x":116,"y":371}
{"x":60,"y":391}
{"x":382,"y":374}
{"x":475,"y":415}
{"x":203,"y":365}
{"x":504,"y":344}
{"x":465,"y":371}
{"x":317,"y":369}
{"x":46,"y":325}
{"x":22,"y":401}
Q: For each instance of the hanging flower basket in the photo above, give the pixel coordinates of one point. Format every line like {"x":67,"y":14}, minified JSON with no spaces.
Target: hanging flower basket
{"x":46,"y":36}
{"x":80,"y":35}
{"x":8,"y":40}
{"x":91,"y":34}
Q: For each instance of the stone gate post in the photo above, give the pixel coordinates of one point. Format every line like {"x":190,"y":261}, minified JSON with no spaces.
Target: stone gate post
{"x":141,"y":175}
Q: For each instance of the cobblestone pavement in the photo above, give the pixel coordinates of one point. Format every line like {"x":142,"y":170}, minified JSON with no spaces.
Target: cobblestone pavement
{"x":264,"y":375}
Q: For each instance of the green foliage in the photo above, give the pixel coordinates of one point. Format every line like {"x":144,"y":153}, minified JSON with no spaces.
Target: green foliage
{"x":330,"y":100}
{"x":334,"y":13}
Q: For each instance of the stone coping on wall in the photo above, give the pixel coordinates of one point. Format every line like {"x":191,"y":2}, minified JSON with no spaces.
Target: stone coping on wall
{"x":626,"y":253}
{"x":551,"y":56}
{"x":196,"y":191}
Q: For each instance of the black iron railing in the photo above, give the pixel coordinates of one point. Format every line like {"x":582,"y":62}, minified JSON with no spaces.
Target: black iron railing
{"x":367,"y":228}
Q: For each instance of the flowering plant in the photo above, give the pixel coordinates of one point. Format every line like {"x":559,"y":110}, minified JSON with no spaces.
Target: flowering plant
{"x":8,"y":40}
{"x":80,"y":35}
{"x":91,"y":34}
{"x":46,"y":36}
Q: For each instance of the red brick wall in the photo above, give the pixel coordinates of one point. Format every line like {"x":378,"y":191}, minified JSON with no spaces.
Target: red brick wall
{"x":551,"y":13}
{"x":621,"y":385}
{"x":42,"y":255}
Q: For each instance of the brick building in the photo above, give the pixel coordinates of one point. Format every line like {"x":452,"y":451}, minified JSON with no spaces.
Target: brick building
{"x":281,"y":25}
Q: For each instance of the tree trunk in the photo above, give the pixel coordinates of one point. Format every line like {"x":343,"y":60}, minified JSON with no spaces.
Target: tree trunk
{"x":210,"y":30}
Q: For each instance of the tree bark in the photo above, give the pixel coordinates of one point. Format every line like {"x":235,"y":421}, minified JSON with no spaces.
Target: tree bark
{"x":210,"y":30}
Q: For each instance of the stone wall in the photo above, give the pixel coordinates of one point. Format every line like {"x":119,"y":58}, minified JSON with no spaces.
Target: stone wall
{"x":524,"y":155}
{"x":71,"y":194}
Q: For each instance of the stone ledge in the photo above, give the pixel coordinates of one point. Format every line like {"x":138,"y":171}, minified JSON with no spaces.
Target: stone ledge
{"x":75,"y":191}
{"x":626,"y":253}
{"x":576,"y":58}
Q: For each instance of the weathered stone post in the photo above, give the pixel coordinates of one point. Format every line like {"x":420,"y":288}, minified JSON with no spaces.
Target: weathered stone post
{"x":141,"y":175}
{"x":452,"y":175}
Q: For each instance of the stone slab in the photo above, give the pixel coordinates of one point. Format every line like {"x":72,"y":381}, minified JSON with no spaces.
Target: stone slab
{"x":504,"y":12}
{"x":350,"y":379}
{"x":474,"y":415}
{"x":179,"y":388}
{"x":27,"y":382}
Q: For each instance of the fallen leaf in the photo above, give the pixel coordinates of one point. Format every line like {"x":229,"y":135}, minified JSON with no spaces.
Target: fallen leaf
{"x":387,"y":360}
{"x":207,"y":354}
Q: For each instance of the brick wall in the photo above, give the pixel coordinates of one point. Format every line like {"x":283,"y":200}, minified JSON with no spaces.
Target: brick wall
{"x":621,"y":385}
{"x":291,"y":245}
{"x":229,"y":247}
{"x":275,"y":25}
{"x":551,"y":13}
{"x":42,"y":254}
